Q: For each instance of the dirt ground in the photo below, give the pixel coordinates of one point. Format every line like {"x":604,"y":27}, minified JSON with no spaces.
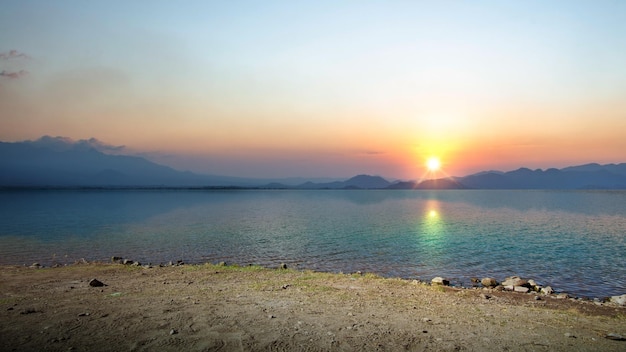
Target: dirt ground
{"x":222,"y":308}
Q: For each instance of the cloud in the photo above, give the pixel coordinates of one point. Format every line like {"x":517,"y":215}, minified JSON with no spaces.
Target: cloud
{"x":13,"y":54}
{"x":66,"y":143}
{"x":370,"y":152}
{"x":100,"y":146}
{"x":13,"y":75}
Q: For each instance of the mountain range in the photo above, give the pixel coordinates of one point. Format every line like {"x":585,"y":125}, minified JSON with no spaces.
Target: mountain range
{"x":60,"y":162}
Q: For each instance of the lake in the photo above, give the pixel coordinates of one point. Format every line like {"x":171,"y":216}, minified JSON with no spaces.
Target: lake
{"x":574,"y":241}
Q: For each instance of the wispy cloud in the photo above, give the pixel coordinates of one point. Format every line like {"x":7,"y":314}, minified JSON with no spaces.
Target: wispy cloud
{"x":13,"y":54}
{"x":100,"y":146}
{"x":66,"y":143}
{"x":14,"y":74}
{"x":370,"y":152}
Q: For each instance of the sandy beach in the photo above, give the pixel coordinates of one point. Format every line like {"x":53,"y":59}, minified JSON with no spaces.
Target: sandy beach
{"x":226,"y":308}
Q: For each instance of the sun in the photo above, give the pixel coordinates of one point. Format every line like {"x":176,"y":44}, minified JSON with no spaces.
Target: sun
{"x":433,"y":164}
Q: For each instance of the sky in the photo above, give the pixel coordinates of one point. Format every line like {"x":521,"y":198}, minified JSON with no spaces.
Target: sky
{"x":321,"y":88}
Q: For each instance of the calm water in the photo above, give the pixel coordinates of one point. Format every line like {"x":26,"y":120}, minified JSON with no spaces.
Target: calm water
{"x":574,"y":241}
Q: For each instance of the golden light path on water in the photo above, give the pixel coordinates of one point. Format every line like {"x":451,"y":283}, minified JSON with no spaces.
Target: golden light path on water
{"x":432,"y":226}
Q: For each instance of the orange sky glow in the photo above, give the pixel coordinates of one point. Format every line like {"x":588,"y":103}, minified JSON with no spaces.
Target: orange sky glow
{"x":322,"y":89}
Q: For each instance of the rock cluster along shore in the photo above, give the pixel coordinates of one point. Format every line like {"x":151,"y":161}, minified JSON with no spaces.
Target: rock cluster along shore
{"x":518,"y":284}
{"x":125,"y":261}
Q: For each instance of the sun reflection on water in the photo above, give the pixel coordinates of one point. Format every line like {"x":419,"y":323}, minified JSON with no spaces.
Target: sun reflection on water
{"x":431,"y":230}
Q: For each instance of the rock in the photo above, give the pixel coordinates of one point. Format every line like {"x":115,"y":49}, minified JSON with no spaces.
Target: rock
{"x":117,"y":260}
{"x":621,"y":300}
{"x":484,"y":296}
{"x":614,"y":336}
{"x":562,"y":296}
{"x":36,"y":266}
{"x":537,"y":298}
{"x":521,"y":289}
{"x":173,"y":332}
{"x":489,"y":282}
{"x":96,"y":283}
{"x":509,"y":287}
{"x":440,"y":281}
{"x":515,"y":281}
{"x":127,"y":262}
{"x":567,"y":334}
{"x":547,"y":290}
{"x":283,"y":266}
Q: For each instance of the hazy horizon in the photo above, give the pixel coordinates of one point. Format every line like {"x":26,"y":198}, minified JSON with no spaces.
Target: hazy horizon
{"x":327,"y":89}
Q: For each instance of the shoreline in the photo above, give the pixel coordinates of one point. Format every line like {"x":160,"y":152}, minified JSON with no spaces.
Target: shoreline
{"x":534,"y":289}
{"x":250,"y":308}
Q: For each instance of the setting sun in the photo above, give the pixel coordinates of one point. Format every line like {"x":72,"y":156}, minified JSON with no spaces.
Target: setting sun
{"x":433,"y":164}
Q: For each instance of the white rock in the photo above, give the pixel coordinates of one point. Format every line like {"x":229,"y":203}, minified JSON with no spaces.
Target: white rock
{"x":547,"y":290}
{"x":515,"y":281}
{"x":621,"y":300}
{"x":521,"y":289}
{"x":440,"y":281}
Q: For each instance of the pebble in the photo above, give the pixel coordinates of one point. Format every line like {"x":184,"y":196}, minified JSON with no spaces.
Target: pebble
{"x":567,"y":334}
{"x":484,"y":296}
{"x":173,"y":332}
{"x":96,"y":283}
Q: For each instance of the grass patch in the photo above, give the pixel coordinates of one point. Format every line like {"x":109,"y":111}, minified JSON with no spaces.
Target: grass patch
{"x":229,"y":268}
{"x":8,"y":300}
{"x":438,"y":288}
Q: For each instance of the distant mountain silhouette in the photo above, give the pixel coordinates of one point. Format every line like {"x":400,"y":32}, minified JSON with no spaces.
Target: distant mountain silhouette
{"x":61,"y":162}
{"x":356,"y":182}
{"x":590,"y":176}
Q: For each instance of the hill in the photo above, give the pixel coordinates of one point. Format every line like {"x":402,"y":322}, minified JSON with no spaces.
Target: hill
{"x":61,"y":162}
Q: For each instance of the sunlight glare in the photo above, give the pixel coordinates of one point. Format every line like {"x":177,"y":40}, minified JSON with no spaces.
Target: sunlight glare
{"x":433,"y":164}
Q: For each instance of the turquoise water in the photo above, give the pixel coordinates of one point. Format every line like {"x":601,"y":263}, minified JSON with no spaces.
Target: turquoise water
{"x":574,"y":241}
